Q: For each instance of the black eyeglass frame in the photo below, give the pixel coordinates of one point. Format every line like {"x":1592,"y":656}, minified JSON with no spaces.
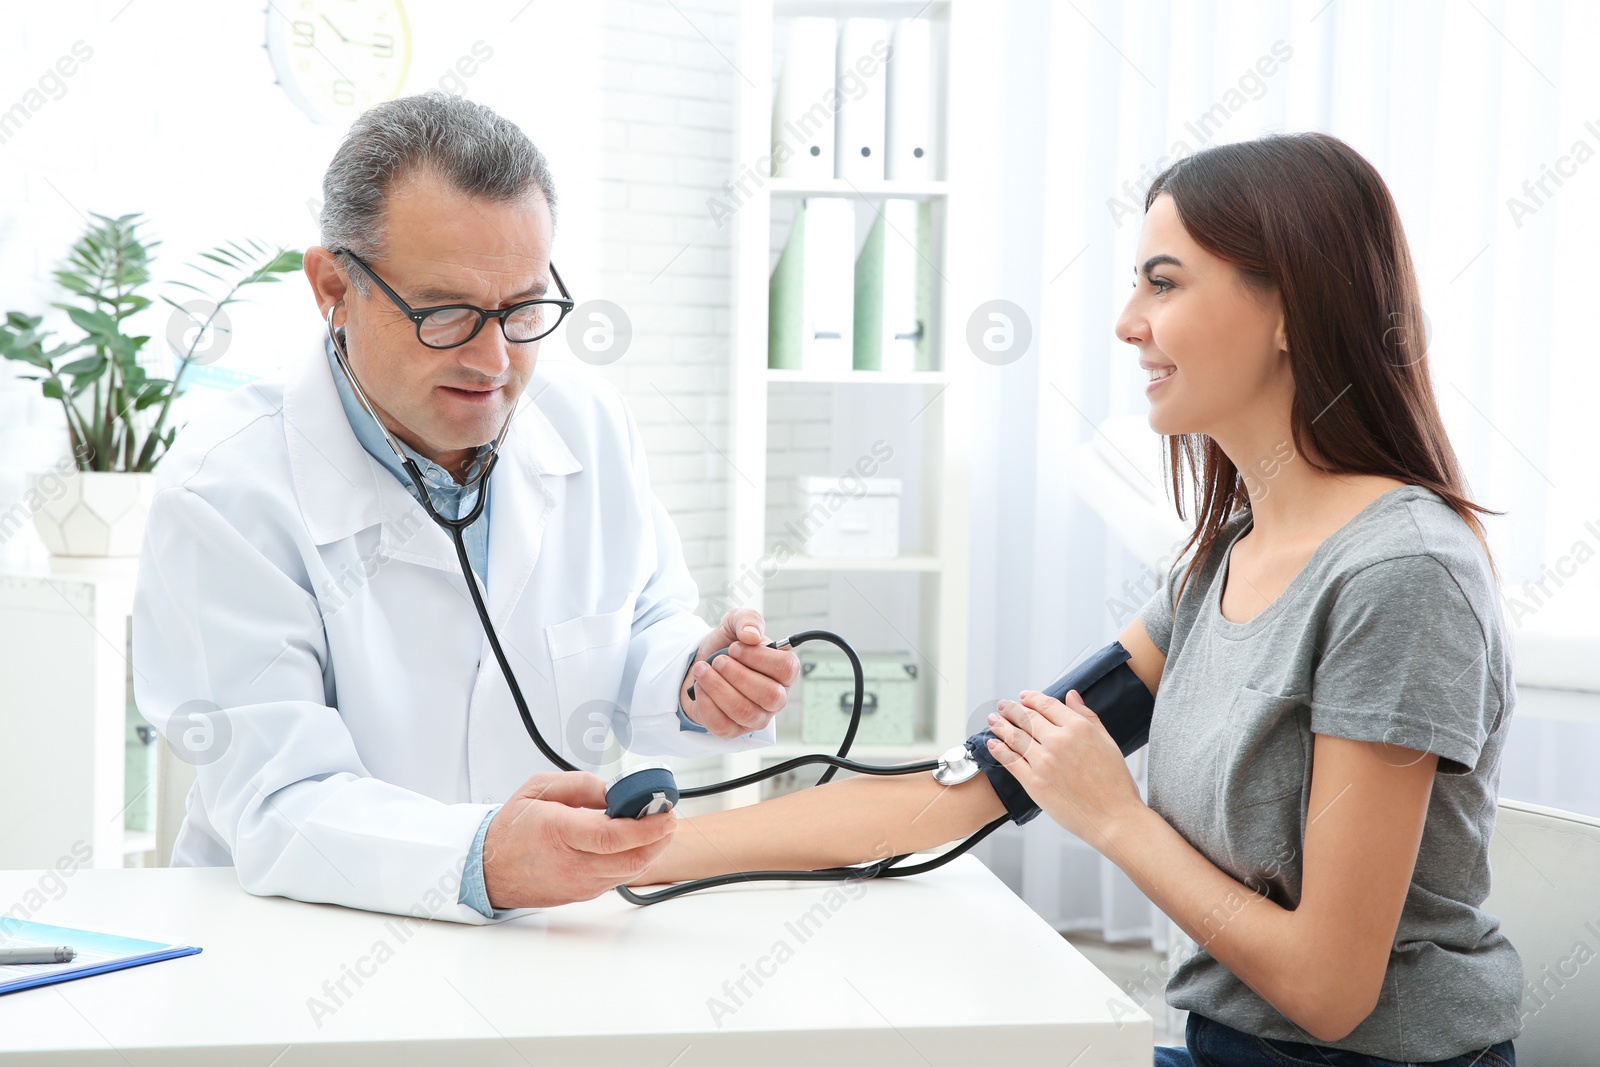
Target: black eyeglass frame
{"x":419,"y":315}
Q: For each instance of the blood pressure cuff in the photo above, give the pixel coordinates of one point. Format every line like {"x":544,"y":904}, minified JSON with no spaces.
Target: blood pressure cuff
{"x":1110,"y":689}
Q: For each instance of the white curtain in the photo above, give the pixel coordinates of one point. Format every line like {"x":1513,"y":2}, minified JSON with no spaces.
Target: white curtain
{"x":1480,"y":115}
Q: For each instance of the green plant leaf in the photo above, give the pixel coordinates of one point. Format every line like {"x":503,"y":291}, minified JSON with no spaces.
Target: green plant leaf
{"x":95,"y":323}
{"x":74,"y":282}
{"x":30,"y":357}
{"x":287,"y":261}
{"x":125,"y":349}
{"x":152,"y":395}
{"x":93,"y":366}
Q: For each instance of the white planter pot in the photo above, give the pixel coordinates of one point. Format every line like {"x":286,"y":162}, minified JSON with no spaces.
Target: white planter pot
{"x":94,"y":514}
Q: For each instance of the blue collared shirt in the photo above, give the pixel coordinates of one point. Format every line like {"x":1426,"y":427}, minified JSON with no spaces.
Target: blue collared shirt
{"x":450,"y":498}
{"x":452,"y":501}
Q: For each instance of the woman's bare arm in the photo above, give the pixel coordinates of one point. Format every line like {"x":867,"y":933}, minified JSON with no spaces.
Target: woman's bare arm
{"x":1321,"y":965}
{"x":856,"y":820}
{"x":853,"y":821}
{"x":1144,"y":659}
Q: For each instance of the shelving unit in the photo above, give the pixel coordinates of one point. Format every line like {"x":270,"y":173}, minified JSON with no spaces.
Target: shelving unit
{"x":939,"y":432}
{"x":62,"y":767}
{"x":916,"y":562}
{"x":842,"y":187}
{"x":858,"y":377}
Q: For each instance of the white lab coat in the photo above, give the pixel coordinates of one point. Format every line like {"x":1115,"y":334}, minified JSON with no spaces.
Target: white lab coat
{"x":290,"y":580}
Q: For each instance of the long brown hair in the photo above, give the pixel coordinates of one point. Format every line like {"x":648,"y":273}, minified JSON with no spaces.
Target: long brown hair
{"x":1305,"y":216}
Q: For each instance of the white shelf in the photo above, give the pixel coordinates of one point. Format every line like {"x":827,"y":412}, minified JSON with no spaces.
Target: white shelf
{"x":941,"y":441}
{"x":877,"y":9}
{"x":915,"y":190}
{"x":915,"y":562}
{"x":64,"y":689}
{"x":857,"y":377}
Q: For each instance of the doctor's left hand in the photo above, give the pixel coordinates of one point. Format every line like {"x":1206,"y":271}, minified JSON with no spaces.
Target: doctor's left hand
{"x":1070,"y":766}
{"x":742,"y":691}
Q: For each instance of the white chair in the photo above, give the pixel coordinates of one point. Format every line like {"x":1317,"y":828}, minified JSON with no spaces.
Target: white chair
{"x":1545,"y":870}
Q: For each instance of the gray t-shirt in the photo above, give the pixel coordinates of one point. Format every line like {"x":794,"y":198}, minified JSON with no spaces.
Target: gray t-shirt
{"x":1392,"y":633}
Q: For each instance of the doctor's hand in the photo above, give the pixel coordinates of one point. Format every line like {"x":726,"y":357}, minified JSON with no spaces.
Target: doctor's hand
{"x":552,"y":843}
{"x":742,"y":691}
{"x":1070,"y":766}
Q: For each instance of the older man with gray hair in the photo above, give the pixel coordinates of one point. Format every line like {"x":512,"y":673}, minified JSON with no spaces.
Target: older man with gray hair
{"x":303,"y":634}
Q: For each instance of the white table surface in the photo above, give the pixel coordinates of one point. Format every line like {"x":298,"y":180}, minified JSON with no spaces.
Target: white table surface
{"x":945,"y":968}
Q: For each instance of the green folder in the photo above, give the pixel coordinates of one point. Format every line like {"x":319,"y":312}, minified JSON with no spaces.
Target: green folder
{"x":883,"y":242}
{"x":924,"y":358}
{"x":785,"y":299}
{"x":868,"y":351}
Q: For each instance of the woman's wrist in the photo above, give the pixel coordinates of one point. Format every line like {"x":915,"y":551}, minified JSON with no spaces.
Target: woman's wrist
{"x":1130,"y":824}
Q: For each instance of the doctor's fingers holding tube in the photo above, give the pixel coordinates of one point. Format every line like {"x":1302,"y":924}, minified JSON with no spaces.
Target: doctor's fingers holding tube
{"x":1065,"y":759}
{"x":552,"y":843}
{"x":742,"y":690}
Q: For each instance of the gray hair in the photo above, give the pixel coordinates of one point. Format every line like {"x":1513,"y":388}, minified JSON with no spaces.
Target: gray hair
{"x":469,"y":145}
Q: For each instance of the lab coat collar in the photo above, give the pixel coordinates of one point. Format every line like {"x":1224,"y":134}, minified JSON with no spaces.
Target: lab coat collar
{"x":521,"y":500}
{"x":342,"y":489}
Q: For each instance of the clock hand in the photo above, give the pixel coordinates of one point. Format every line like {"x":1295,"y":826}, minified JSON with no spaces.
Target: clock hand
{"x":342,"y":38}
{"x":348,"y":40}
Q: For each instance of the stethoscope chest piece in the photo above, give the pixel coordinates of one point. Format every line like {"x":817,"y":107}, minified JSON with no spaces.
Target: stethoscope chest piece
{"x":644,"y":791}
{"x":956,"y":766}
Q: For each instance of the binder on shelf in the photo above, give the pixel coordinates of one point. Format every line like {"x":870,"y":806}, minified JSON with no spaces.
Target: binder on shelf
{"x":811,"y":294}
{"x":802,"y":111}
{"x":908,"y":155}
{"x":863,"y":48}
{"x":894,"y":290}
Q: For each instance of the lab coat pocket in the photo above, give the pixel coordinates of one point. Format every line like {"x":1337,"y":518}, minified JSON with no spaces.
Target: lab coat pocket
{"x":589,"y":657}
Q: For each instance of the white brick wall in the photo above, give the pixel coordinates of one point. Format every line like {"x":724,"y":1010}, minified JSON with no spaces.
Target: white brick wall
{"x":662,"y":260}
{"x":669,"y":91}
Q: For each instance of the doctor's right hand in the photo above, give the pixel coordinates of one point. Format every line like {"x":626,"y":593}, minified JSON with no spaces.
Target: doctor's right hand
{"x":552,"y":843}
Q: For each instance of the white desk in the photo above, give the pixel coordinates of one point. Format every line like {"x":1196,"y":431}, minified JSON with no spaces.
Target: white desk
{"x":947,"y":968}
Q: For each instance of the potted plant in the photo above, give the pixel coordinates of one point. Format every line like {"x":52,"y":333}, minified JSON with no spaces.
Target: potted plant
{"x":93,"y":502}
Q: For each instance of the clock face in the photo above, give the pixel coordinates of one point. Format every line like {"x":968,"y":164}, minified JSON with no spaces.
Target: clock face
{"x":336,"y":58}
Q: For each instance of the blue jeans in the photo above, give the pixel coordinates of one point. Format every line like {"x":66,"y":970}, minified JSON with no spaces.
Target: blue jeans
{"x":1211,"y":1044}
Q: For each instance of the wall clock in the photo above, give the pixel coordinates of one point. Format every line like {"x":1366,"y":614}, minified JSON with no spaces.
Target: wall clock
{"x":336,"y":58}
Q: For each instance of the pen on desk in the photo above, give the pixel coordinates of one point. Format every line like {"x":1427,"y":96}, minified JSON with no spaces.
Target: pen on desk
{"x":63,"y":954}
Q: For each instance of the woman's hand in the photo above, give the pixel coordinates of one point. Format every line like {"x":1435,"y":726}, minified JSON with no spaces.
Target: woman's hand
{"x":1068,"y":763}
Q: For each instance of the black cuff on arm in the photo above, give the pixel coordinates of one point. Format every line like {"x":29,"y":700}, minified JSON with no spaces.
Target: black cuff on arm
{"x":1019,"y":805}
{"x":1110,"y":689}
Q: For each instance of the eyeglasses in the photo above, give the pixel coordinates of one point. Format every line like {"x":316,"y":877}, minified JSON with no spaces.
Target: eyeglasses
{"x":450,"y":325}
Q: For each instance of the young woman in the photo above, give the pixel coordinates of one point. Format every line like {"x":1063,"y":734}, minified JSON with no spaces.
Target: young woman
{"x":1331,"y":674}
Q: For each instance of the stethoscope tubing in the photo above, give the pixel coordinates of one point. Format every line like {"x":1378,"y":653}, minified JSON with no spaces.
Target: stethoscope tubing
{"x":835,"y":762}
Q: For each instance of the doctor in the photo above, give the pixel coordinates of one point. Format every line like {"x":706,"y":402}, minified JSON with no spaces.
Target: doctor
{"x":303,"y":634}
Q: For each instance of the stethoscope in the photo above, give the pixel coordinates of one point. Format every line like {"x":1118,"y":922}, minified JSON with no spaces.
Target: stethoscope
{"x":651,"y":789}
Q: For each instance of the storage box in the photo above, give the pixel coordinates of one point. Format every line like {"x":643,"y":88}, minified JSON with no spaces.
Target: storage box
{"x":888,"y":704}
{"x":860,"y":518}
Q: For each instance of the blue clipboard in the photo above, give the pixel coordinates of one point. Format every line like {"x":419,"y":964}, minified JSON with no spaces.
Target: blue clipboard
{"x":97,"y":953}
